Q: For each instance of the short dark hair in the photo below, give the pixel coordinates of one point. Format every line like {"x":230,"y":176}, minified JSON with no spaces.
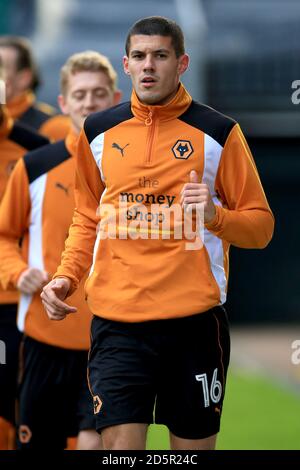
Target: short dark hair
{"x":25,"y":59}
{"x":161,"y":26}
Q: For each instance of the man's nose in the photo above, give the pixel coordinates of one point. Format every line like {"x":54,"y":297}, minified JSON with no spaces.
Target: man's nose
{"x":149,"y":63}
{"x":89,"y":101}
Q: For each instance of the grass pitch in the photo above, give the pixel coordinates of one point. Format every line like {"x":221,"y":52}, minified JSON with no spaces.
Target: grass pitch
{"x":257,"y":414}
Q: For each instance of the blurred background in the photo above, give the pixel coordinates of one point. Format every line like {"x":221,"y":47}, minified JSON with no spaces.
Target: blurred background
{"x":245,"y":56}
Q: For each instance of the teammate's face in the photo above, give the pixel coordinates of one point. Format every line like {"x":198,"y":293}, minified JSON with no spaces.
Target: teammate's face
{"x":154,"y":68}
{"x":87,"y":92}
{"x":16,"y":82}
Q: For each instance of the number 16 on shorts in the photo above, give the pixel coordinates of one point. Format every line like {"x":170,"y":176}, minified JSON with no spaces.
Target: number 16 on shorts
{"x":214,"y":392}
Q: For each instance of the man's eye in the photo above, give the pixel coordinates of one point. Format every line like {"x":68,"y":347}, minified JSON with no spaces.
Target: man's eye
{"x":101,"y":94}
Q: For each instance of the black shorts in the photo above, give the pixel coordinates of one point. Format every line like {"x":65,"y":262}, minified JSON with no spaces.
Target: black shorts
{"x":178,"y":365}
{"x":11,"y":338}
{"x":54,"y":399}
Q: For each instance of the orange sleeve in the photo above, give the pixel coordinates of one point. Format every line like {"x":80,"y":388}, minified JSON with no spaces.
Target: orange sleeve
{"x":78,"y":253}
{"x":14,"y":217}
{"x":245,"y":220}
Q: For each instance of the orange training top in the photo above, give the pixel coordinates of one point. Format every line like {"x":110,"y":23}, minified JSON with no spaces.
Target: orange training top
{"x":38,"y":206}
{"x":15,"y":141}
{"x":134,"y":160}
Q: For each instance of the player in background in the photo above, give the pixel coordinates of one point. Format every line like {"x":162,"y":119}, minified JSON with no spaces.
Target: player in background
{"x":54,"y":400}
{"x":22,"y":80}
{"x":15,"y":141}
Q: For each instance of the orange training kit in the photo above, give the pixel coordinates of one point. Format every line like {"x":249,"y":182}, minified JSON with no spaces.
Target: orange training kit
{"x":135,"y":154}
{"x":38,"y":206}
{"x":39,"y":116}
{"x":15,"y":141}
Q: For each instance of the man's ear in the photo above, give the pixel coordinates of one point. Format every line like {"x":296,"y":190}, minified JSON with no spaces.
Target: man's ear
{"x":62,"y":104}
{"x":117,"y":97}
{"x":125,"y":65}
{"x":183,"y":63}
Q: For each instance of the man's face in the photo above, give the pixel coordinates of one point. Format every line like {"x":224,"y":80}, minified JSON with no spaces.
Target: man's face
{"x":16,"y":82}
{"x":154,"y":68}
{"x":87,"y":92}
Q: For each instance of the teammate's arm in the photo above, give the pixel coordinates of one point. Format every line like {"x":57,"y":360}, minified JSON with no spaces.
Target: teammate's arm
{"x":14,"y":220}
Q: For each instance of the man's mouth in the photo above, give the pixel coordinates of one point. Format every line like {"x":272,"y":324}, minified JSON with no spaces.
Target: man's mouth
{"x":148,"y":81}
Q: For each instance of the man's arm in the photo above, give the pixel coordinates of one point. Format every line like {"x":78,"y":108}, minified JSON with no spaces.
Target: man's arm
{"x":245,"y":219}
{"x":78,"y":254}
{"x":79,"y":247}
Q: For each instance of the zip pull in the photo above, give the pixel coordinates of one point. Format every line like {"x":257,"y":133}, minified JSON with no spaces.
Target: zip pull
{"x":148,"y":120}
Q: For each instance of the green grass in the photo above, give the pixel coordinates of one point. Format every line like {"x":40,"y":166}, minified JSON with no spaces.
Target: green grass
{"x":257,"y":414}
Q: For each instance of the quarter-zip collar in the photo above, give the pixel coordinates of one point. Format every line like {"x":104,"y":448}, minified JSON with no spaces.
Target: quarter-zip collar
{"x":177,"y":106}
{"x":6,"y":124}
{"x":17,"y":106}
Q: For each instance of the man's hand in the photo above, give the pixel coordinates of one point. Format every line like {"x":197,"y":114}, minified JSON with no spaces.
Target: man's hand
{"x":52,"y":297}
{"x":32,"y":280}
{"x":194,"y":193}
